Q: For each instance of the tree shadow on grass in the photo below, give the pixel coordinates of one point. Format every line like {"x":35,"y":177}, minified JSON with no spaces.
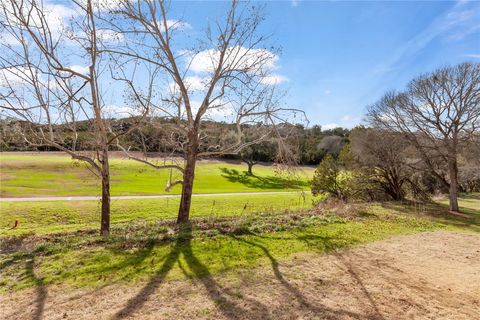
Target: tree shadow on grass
{"x":469,"y":218}
{"x":40,"y":288}
{"x":355,"y":277}
{"x":276,"y":271}
{"x":316,"y":307}
{"x":253,"y":181}
{"x":219,"y":295}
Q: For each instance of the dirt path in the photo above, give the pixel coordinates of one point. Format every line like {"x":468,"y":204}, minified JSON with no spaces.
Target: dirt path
{"x":432,"y":275}
{"x":81,"y":198}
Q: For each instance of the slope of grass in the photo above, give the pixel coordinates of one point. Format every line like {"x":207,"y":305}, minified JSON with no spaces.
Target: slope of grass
{"x":57,"y":216}
{"x":157,"y":251}
{"x":184,"y":256}
{"x":47,"y":174}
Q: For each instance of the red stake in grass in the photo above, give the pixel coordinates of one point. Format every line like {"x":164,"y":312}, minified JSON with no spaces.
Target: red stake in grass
{"x":16,"y":224}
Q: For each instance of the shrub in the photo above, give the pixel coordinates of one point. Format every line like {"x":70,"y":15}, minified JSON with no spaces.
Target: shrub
{"x":331,"y":176}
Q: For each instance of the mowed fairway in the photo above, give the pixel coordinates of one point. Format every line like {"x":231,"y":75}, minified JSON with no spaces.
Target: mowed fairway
{"x":55,"y":174}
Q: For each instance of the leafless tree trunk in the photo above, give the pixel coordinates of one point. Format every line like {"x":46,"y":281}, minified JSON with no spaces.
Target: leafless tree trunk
{"x":453,"y":175}
{"x":187,"y":186}
{"x":105,"y":226}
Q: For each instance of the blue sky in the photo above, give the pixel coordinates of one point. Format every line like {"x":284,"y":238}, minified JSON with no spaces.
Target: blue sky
{"x":336,"y":57}
{"x":340,"y":56}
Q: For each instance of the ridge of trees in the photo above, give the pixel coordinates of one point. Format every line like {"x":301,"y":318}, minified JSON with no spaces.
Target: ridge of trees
{"x":153,"y":138}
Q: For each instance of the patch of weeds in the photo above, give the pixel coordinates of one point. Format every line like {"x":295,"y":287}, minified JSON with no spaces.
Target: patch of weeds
{"x":44,"y":248}
{"x":212,"y":233}
{"x":242,"y":228}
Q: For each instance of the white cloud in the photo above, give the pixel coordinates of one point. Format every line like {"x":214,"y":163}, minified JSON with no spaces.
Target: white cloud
{"x":19,"y":76}
{"x":196,"y":83}
{"x":80,"y":69}
{"x":109,"y":35}
{"x":13,"y":76}
{"x":459,"y":22}
{"x":274,"y":79}
{"x":8,"y":39}
{"x":260,"y":61}
{"x":350,"y":121}
{"x":236,"y":57}
{"x":177,"y":24}
{"x":219,"y":111}
{"x":193,"y":84}
{"x":294,"y":3}
{"x":475,"y":56}
{"x":346,"y":121}
{"x":53,"y":14}
{"x":106,"y":4}
{"x":56,"y":15}
{"x":327,"y":92}
{"x":329,"y":126}
{"x":115,"y":111}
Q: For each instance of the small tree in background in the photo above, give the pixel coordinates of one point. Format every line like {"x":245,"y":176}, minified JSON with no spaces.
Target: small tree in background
{"x":332,"y":176}
{"x":263,"y":151}
{"x":331,"y":145}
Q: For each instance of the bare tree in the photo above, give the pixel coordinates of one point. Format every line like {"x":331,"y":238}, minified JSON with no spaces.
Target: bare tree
{"x":437,"y":113}
{"x":41,"y":86}
{"x":226,"y":75}
{"x":332,"y":145}
{"x":385,"y":161}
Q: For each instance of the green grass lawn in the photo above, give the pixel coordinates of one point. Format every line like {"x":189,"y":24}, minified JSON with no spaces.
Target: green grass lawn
{"x":46,"y":174}
{"x":57,"y":242}
{"x":58,"y":216}
{"x":186,"y":256}
{"x":142,"y":250}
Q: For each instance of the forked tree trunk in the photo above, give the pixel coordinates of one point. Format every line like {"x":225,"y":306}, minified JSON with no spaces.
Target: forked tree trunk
{"x":105,"y":172}
{"x":187,"y":187}
{"x":250,"y":167}
{"x":250,"y":164}
{"x":453,"y":190}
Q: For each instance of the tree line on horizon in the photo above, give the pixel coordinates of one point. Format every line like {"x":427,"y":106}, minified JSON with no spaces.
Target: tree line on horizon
{"x":311,"y":144}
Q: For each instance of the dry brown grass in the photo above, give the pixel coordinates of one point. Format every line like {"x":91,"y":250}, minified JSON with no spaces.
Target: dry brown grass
{"x":425,"y":276}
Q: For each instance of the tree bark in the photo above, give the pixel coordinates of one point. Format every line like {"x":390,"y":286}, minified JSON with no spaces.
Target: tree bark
{"x":250,"y":167}
{"x":453,"y":190}
{"x":105,"y":172}
{"x":187,"y":187}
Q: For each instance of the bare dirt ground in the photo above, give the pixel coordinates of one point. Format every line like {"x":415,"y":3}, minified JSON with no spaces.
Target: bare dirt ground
{"x":433,"y":275}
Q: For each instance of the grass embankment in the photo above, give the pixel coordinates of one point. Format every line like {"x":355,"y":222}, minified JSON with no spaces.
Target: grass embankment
{"x":59,"y":216}
{"x":160,"y":251}
{"x":55,"y":174}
